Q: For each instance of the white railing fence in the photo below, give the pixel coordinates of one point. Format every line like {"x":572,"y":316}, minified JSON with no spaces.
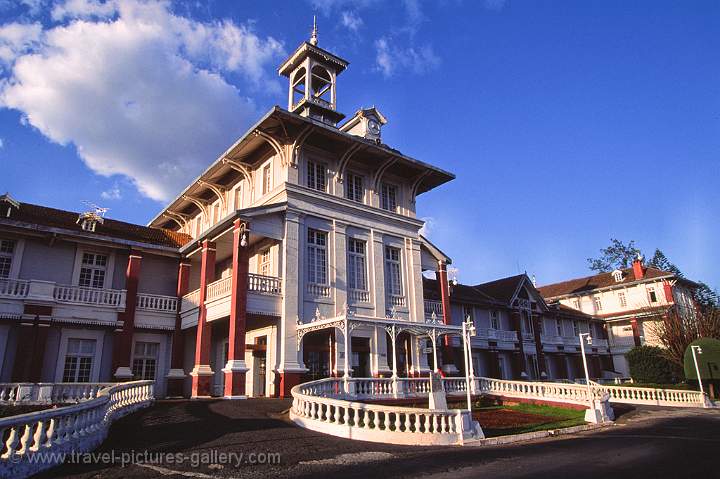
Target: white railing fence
{"x":323,"y":406}
{"x":190,"y":301}
{"x":218,"y":289}
{"x":157,"y":302}
{"x":36,"y":441}
{"x":258,"y":283}
{"x":81,"y":295}
{"x":13,"y":288}
{"x":49,"y":393}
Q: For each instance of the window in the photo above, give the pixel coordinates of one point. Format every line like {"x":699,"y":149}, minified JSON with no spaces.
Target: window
{"x":78,"y":360}
{"x":617,"y":275}
{"x":558,"y":327}
{"x":622,"y":299}
{"x":198,"y":226}
{"x":7,"y":247}
{"x":598,"y":303}
{"x":238,"y":197}
{"x":266,"y":179}
{"x":652,"y":295}
{"x":216,"y":212}
{"x":527,"y":322}
{"x":576,"y":304}
{"x":388,"y":197}
{"x":354,"y":188}
{"x":393,"y":276}
{"x":92,"y":271}
{"x":495,"y":319}
{"x":144,"y":363}
{"x":356,"y":265}
{"x":316,"y":176}
{"x":468,"y":313}
{"x":264,"y":263}
{"x":576,"y":328}
{"x":317,"y":256}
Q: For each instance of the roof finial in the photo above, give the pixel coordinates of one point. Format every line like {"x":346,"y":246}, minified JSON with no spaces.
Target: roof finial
{"x":313,"y":35}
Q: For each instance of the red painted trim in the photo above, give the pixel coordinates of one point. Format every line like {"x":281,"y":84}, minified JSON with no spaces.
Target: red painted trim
{"x":287,"y":382}
{"x":235,"y":381}
{"x":177,"y":361}
{"x":638,"y":270}
{"x":201,"y":384}
{"x":668,"y":289}
{"x":122,"y":342}
{"x":635,"y":331}
{"x":442,"y":281}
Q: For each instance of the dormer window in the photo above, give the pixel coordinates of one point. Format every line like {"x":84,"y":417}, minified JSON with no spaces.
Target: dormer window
{"x":8,"y":206}
{"x":88,"y":221}
{"x":617,"y":276}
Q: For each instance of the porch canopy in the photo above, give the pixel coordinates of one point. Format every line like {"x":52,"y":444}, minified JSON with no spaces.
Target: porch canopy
{"x":347,"y":321}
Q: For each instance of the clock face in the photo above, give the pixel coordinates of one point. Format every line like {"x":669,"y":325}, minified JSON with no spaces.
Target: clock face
{"x":374,"y":127}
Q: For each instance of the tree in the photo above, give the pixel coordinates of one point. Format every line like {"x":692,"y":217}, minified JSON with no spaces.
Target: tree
{"x":682,"y":325}
{"x":706,"y":296}
{"x":648,"y":364}
{"x":660,"y":261}
{"x":616,"y":256}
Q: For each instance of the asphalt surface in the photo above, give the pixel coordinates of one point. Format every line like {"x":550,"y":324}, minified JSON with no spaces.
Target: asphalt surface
{"x":645,"y":442}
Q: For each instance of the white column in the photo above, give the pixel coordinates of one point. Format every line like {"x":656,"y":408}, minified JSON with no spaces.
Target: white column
{"x":292,"y":251}
{"x":377,"y":260}
{"x":338,"y":278}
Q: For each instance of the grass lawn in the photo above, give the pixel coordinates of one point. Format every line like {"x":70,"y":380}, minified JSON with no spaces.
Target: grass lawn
{"x":521,"y":418}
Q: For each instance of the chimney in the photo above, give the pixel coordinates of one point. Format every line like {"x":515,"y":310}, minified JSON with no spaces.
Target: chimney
{"x":638,"y":268}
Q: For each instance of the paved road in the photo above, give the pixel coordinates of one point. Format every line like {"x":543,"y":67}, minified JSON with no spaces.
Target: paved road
{"x":646,"y":442}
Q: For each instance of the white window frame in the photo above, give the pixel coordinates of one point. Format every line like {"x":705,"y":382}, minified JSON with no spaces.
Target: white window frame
{"x":577,"y":304}
{"x":94,"y":268}
{"x":315,"y":251}
{"x":312,"y":179}
{"x":65,"y":335}
{"x":7,"y":255}
{"x":237,"y":196}
{"x":266,"y":180}
{"x":109,"y":267}
{"x":383,"y":196}
{"x":15,"y":257}
{"x":622,"y":299}
{"x":650,"y":293}
{"x":351,"y":192}
{"x":264,"y":266}
{"x":576,"y":327}
{"x":495,"y":319}
{"x":597,"y":301}
{"x":357,"y":265}
{"x":140,"y":353}
{"x":559,"y":328}
{"x":468,"y":310}
{"x":393,"y":271}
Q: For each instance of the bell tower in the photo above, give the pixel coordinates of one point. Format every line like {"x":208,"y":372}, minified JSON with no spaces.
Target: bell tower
{"x":313,"y":73}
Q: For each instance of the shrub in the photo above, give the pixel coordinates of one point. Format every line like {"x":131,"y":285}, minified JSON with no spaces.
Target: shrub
{"x":648,"y":364}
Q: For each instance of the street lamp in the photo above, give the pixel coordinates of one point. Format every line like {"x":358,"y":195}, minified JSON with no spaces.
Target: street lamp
{"x":585,"y":337}
{"x":695,"y":351}
{"x":468,"y":330}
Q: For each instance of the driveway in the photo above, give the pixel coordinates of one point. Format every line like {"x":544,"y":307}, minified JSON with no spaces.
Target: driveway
{"x":252,"y":438}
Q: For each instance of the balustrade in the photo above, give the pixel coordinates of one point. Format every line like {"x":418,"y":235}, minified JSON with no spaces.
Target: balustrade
{"x":38,"y":440}
{"x":95,"y":296}
{"x":258,"y":283}
{"x":157,"y":302}
{"x":358,"y":296}
{"x":318,"y":290}
{"x":13,"y":288}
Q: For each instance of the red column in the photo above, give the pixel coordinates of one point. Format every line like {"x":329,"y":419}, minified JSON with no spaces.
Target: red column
{"x":235,"y":369}
{"x":201,"y":373}
{"x":635,"y":331}
{"x":176,"y":375}
{"x":122,"y":344}
{"x":32,"y":338}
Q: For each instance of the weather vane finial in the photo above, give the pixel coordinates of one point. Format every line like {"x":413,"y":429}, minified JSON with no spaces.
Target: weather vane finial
{"x":313,"y":35}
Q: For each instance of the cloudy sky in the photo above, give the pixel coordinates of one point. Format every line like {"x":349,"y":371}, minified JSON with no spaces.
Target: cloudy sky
{"x":567,"y":123}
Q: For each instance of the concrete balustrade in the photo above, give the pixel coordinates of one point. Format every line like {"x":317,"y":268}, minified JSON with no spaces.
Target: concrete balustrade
{"x":36,"y":441}
{"x":655,"y":397}
{"x":323,"y":406}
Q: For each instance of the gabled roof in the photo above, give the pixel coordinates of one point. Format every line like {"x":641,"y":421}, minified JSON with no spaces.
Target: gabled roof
{"x":31,"y":216}
{"x":598,"y":281}
{"x":460,"y":292}
{"x":503,"y":289}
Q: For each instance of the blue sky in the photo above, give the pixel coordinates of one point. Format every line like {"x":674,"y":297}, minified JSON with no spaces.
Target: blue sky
{"x":566,"y":123}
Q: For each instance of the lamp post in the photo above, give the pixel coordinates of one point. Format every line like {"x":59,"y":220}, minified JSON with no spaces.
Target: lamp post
{"x":695,"y":351}
{"x":468,"y":329}
{"x":583,"y":338}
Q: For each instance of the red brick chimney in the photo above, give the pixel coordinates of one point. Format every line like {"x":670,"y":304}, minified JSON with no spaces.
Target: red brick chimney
{"x":638,"y":268}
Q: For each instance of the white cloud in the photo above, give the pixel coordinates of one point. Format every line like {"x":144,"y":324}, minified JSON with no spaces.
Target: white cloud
{"x":34,"y":6}
{"x":495,"y":4}
{"x":141,"y":93}
{"x":113,"y":193}
{"x":2,"y":143}
{"x":84,"y":9}
{"x":428,"y":226}
{"x":18,"y":38}
{"x":351,"y":20}
{"x":389,"y":58}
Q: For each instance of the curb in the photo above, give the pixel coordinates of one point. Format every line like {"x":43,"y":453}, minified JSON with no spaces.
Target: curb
{"x":528,"y":436}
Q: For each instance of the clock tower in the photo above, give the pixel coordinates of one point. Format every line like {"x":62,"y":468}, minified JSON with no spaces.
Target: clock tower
{"x":313,"y":73}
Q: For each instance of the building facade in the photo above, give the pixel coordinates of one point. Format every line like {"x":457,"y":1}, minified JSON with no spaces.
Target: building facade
{"x":631,"y":301}
{"x":519,"y":336}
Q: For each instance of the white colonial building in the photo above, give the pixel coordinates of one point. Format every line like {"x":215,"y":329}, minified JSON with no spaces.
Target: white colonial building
{"x":630,"y":301}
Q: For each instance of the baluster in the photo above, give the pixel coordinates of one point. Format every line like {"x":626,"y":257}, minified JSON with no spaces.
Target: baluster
{"x":24,"y":439}
{"x":39,"y":436}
